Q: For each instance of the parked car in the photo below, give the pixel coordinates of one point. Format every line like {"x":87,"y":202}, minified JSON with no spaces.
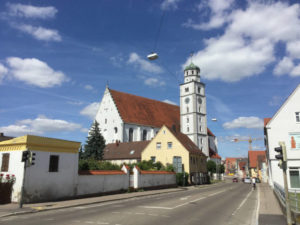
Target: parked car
{"x":247,"y":180}
{"x":235,"y":180}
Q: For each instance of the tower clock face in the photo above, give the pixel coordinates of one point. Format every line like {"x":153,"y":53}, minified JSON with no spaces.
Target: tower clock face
{"x":187,"y":100}
{"x":199,"y":100}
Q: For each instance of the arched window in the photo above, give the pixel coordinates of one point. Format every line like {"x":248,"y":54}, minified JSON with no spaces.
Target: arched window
{"x":130,"y":135}
{"x":144,"y":135}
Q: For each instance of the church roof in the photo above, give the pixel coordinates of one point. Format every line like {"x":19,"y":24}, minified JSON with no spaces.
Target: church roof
{"x":144,"y":111}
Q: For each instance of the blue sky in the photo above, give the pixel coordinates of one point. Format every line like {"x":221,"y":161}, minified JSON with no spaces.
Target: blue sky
{"x":57,"y":56}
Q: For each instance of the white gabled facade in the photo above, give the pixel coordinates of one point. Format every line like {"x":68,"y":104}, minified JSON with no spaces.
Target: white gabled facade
{"x":285,"y":126}
{"x":112,"y":126}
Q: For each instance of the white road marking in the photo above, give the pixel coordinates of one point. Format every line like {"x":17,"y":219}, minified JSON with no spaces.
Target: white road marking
{"x":242,"y":203}
{"x":185,"y":198}
{"x":140,"y":213}
{"x":90,"y":222}
{"x":102,"y":223}
{"x":49,"y":219}
{"x":155,"y":207}
{"x":188,"y":202}
{"x":152,"y":214}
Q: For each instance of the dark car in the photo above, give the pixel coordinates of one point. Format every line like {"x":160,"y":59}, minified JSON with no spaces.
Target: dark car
{"x":235,"y":180}
{"x":257,"y":180}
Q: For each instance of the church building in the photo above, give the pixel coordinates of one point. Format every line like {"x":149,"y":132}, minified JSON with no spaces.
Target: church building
{"x":126,"y":118}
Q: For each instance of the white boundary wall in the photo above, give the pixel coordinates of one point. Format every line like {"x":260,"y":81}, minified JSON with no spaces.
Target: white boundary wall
{"x":144,"y":179}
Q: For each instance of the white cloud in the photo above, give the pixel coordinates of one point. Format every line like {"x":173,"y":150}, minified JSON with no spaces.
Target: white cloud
{"x":143,"y":64}
{"x":3,"y":72}
{"x":285,"y":66}
{"x":245,"y":122}
{"x":88,"y":87}
{"x":90,"y":110}
{"x":296,"y":71}
{"x":246,"y":49}
{"x":39,"y":126}
{"x":117,"y":60}
{"x":293,"y":48}
{"x":219,"y":14}
{"x":29,"y":11}
{"x":169,"y":102}
{"x":35,"y":72}
{"x":169,"y":4}
{"x":39,"y":33}
{"x":154,"y":82}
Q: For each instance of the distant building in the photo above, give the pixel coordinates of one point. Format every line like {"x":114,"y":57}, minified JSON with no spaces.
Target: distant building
{"x":124,"y":152}
{"x":256,"y":158}
{"x":285,"y":126}
{"x":4,"y":138}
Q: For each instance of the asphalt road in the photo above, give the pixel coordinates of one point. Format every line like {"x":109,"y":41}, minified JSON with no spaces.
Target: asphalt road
{"x":227,"y":203}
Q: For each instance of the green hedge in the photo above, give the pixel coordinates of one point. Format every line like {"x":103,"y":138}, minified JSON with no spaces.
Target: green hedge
{"x":92,"y":164}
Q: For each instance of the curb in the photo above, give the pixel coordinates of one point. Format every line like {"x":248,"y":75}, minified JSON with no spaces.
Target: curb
{"x":109,"y":200}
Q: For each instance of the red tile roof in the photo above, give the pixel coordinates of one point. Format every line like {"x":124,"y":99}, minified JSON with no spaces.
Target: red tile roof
{"x":252,"y":156}
{"x":266,"y":121}
{"x":187,"y":142}
{"x":145,"y":111}
{"x":124,"y":150}
{"x":242,"y":165}
{"x":216,"y":156}
{"x":210,"y":133}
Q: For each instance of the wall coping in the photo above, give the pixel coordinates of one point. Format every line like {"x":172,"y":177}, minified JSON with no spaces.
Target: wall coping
{"x":101,"y":172}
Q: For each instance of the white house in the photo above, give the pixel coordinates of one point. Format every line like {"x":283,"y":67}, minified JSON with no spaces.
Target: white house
{"x":125,"y":117}
{"x":285,"y":126}
{"x":54,"y":174}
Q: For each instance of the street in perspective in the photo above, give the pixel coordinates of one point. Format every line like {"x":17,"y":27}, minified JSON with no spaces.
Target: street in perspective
{"x":150,"y":112}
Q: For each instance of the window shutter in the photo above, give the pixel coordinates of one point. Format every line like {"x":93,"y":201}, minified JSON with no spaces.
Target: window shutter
{"x":5,"y":162}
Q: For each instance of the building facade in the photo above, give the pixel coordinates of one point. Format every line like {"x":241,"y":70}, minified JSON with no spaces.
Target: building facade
{"x":285,"y":126}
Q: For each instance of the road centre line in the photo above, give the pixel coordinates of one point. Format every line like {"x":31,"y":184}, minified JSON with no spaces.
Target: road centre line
{"x":155,"y":207}
{"x":242,"y":203}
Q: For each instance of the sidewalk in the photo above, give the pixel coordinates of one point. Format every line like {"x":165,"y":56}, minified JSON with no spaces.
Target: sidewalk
{"x":13,"y":208}
{"x":269,"y":210}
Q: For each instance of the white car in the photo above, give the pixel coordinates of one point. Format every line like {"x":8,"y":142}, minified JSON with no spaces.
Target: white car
{"x":247,"y":180}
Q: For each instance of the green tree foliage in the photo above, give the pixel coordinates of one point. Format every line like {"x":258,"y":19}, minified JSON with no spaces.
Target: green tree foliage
{"x":182,"y":179}
{"x":81,"y":153}
{"x":220,"y":168}
{"x":150,"y":165}
{"x":92,"y":164}
{"x":95,"y":143}
{"x":211,"y":166}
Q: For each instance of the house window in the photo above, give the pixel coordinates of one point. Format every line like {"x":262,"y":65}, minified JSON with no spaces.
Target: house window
{"x":294,"y":178}
{"x":297,"y":117}
{"x":158,"y":145}
{"x":116,"y":130}
{"x":170,"y":145}
{"x":144,"y":135}
{"x":177,"y":164}
{"x":187,"y":120}
{"x":53,"y":163}
{"x":188,"y":129}
{"x":105,"y":121}
{"x":153,"y":158}
{"x":186,"y":89}
{"x":5,"y":162}
{"x":130,"y":135}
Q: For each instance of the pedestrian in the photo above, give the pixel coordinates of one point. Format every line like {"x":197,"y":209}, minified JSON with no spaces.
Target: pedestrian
{"x":253,"y":183}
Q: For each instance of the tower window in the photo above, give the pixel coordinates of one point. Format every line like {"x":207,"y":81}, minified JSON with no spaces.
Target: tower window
{"x":297,"y":117}
{"x":187,"y":109}
{"x":130,"y":135}
{"x":186,"y":89}
{"x":105,"y":121}
{"x":187,"y":120}
{"x":198,"y":89}
{"x":188,"y":129}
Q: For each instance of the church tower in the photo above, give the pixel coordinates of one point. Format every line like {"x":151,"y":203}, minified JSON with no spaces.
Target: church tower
{"x":193,"y":121}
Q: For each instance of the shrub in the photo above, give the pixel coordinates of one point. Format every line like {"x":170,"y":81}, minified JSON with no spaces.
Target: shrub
{"x":170,"y":167}
{"x":179,"y":179}
{"x":92,"y":164}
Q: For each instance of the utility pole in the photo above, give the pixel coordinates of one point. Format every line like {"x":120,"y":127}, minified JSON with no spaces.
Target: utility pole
{"x":283,"y":164}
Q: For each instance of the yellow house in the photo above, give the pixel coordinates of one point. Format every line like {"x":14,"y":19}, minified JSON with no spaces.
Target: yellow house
{"x":172,"y":147}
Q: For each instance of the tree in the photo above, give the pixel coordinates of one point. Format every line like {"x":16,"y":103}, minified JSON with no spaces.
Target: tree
{"x":81,"y":153}
{"x":95,"y":143}
{"x":221,"y":168}
{"x":211,"y":166}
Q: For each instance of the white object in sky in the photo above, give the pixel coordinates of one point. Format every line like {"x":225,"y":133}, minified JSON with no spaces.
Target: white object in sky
{"x":214,"y":119}
{"x":152,"y":56}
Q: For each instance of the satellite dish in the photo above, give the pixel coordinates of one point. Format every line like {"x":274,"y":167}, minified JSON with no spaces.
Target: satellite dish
{"x":152,"y":56}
